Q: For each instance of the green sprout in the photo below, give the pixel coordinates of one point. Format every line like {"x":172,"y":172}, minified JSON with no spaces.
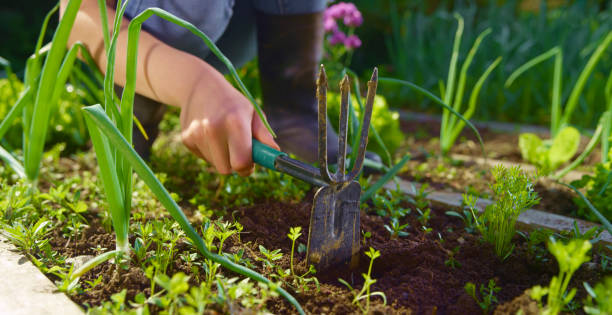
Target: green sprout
{"x":293,"y":235}
{"x":365,"y":293}
{"x":570,"y":257}
{"x":486,"y":292}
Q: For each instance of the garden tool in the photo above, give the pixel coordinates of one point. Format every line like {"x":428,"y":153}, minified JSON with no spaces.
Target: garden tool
{"x":333,"y":237}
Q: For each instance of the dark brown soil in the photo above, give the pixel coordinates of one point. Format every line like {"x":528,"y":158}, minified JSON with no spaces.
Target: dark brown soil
{"x":412,"y":272}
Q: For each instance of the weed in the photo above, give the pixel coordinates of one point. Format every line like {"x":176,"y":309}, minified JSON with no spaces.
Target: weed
{"x":569,"y":257}
{"x":451,"y":261}
{"x":30,"y":239}
{"x":514,"y":193}
{"x":293,"y":235}
{"x":396,"y":228}
{"x":365,"y":293}
{"x":269,"y":257}
{"x":487,"y":295}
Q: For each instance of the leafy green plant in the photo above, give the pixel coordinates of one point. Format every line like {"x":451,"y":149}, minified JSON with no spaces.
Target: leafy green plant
{"x":69,"y":281}
{"x":599,"y":301}
{"x":487,"y":295}
{"x":269,"y":256}
{"x":365,"y":293}
{"x":569,"y":257}
{"x":30,"y":239}
{"x":514,"y":193}
{"x":549,"y":155}
{"x":117,"y":159}
{"x":46,"y":74}
{"x":598,"y":189}
{"x":451,"y":127}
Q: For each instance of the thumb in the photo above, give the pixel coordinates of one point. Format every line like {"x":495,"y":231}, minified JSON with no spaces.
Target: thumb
{"x":261,"y":133}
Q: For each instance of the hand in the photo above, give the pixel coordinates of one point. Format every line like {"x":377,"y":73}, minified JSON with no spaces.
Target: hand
{"x":218,"y":124}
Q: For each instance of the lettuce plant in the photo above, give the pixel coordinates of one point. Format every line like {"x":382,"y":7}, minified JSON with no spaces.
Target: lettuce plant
{"x":548,"y":155}
{"x":569,"y":257}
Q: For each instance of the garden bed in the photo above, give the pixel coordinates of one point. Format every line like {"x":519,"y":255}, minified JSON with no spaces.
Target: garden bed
{"x":421,"y":273}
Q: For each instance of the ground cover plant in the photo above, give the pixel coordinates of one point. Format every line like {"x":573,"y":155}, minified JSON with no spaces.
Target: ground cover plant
{"x":184,"y":240}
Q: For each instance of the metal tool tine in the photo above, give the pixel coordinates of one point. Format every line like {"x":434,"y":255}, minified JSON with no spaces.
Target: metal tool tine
{"x":342,"y":128}
{"x":322,"y":100}
{"x":365,"y":129}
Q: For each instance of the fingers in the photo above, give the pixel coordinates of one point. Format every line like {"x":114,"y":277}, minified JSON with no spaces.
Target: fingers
{"x":261,"y":133}
{"x":239,"y":143}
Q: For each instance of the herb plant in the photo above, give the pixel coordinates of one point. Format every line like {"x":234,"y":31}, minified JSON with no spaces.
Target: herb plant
{"x":569,"y":257}
{"x":513,"y":193}
{"x":598,"y":189}
{"x":487,"y":295}
{"x":599,"y":301}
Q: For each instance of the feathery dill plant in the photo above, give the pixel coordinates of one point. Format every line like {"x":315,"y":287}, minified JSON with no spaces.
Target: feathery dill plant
{"x":514,"y":193}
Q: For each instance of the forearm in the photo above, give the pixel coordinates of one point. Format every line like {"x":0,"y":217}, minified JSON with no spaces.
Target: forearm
{"x":164,"y":73}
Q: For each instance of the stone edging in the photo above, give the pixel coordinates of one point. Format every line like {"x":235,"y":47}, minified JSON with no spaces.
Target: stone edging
{"x":25,"y":290}
{"x":528,"y":220}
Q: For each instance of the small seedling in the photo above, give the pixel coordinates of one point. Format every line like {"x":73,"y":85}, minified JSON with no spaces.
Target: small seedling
{"x":451,"y":261}
{"x":269,"y":256}
{"x":365,"y":293}
{"x":487,"y":295}
{"x":396,"y":228}
{"x":569,"y":257}
{"x":293,"y":235}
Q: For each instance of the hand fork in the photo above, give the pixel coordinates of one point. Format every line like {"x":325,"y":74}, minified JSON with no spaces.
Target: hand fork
{"x":333,"y":237}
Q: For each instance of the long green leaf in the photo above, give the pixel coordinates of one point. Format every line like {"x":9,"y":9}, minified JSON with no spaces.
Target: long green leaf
{"x":473,"y":100}
{"x":15,"y":111}
{"x":572,"y":102}
{"x":12,"y":162}
{"x":589,"y":148}
{"x":384,"y":179}
{"x":42,"y":107}
{"x":450,"y":81}
{"x":96,"y":114}
{"x":458,"y":100}
{"x":598,"y":214}
{"x":530,"y":64}
{"x":438,"y":101}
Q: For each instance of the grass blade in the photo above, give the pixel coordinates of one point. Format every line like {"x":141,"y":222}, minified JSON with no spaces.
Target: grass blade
{"x":105,"y":126}
{"x":530,"y":64}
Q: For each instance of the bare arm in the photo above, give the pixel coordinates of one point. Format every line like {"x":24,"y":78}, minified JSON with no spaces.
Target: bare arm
{"x":217,"y":121}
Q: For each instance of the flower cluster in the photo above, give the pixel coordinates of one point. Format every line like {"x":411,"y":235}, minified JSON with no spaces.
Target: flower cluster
{"x":350,"y":17}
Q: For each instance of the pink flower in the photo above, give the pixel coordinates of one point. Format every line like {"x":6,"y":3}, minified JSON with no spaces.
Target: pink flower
{"x":338,"y":37}
{"x":330,"y":25}
{"x":352,"y":42}
{"x":354,"y":19}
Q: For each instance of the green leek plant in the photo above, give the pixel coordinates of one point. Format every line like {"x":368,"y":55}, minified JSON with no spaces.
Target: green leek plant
{"x":111,"y":134}
{"x":550,"y":154}
{"x":46,"y":73}
{"x":451,"y":127}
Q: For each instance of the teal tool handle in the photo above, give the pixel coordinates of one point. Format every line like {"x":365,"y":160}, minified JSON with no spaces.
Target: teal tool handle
{"x":265,"y":155}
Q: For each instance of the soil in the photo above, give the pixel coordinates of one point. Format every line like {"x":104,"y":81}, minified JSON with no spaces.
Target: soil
{"x":458,"y":176}
{"x":498,"y":145}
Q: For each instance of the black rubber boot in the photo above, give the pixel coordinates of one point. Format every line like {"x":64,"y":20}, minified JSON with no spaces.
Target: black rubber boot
{"x":289,"y":51}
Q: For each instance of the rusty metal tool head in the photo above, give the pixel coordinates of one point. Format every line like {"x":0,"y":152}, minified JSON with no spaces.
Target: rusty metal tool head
{"x":333,"y":237}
